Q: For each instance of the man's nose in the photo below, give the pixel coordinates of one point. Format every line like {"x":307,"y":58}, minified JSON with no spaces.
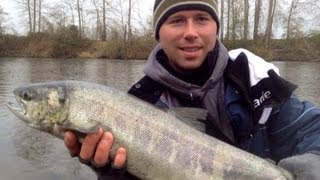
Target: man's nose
{"x":190,"y":32}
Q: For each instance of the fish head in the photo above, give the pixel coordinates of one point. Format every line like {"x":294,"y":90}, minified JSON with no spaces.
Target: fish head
{"x":41,"y":106}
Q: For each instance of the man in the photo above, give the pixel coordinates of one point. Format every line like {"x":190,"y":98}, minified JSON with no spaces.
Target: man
{"x":250,"y":106}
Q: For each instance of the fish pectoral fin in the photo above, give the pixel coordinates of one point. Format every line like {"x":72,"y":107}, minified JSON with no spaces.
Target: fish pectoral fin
{"x":194,"y":117}
{"x":91,"y":126}
{"x":88,"y":126}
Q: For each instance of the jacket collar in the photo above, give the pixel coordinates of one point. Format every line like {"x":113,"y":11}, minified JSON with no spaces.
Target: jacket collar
{"x":260,"y":83}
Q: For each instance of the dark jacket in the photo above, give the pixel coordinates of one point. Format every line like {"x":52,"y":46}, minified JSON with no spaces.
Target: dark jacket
{"x":265,"y":117}
{"x":292,"y":128}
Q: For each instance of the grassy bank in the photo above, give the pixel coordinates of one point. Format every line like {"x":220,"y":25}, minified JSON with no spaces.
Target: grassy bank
{"x":66,"y":44}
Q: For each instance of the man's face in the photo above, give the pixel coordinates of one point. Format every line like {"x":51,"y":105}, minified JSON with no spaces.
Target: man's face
{"x":187,"y":37}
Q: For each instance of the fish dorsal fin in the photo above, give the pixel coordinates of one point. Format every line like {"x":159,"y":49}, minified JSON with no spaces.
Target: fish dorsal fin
{"x":194,"y":117}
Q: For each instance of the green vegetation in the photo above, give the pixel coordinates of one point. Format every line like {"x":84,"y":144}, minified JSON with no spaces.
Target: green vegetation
{"x":65,"y":43}
{"x":121,"y":30}
{"x":295,"y":49}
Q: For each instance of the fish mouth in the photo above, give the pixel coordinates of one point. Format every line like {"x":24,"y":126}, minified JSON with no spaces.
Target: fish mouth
{"x":19,"y":110}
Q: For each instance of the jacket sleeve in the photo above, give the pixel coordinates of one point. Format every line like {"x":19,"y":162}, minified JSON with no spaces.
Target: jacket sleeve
{"x":294,"y":129}
{"x":305,"y":166}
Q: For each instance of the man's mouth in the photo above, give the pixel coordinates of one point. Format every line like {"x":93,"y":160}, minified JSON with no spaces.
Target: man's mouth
{"x":190,"y":49}
{"x":190,"y":52}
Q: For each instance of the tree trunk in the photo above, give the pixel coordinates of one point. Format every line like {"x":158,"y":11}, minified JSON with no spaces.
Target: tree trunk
{"x":256,"y":19}
{"x":222,"y":21}
{"x":246,"y":20}
{"x":234,"y":23}
{"x":104,"y":29}
{"x":268,"y":32}
{"x":39,"y":17}
{"x":29,"y":16}
{"x":34,"y":15}
{"x":289,"y":19}
{"x":129,"y":23}
{"x":98,"y":19}
{"x":228,"y":20}
{"x":2,"y":13}
{"x":79,"y":18}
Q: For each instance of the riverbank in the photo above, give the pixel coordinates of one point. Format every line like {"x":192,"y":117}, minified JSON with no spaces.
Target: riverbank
{"x":64,"y":45}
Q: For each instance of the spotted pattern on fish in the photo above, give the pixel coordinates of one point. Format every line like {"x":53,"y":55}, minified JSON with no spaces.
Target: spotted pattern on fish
{"x":144,"y":134}
{"x":159,"y":145}
{"x":205,"y":162}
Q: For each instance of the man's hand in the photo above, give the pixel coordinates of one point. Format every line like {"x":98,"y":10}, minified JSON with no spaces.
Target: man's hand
{"x":95,"y":149}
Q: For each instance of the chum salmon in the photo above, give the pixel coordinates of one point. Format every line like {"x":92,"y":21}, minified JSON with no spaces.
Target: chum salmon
{"x":160,"y":144}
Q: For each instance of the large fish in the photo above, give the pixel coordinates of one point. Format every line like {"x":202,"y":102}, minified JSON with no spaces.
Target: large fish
{"x":159,"y":144}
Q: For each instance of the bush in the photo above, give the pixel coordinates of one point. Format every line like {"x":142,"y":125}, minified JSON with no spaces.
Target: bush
{"x":66,"y":42}
{"x":39,"y":45}
{"x":141,"y":47}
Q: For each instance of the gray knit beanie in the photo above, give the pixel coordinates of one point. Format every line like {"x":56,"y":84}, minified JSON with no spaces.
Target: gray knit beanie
{"x":164,"y":8}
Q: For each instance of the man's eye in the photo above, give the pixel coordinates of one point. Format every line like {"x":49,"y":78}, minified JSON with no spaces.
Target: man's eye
{"x":176,"y":21}
{"x":203,"y":19}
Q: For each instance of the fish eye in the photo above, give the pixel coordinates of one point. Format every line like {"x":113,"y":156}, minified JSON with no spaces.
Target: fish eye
{"x":62,"y":100}
{"x":62,"y":96}
{"x":26,"y":95}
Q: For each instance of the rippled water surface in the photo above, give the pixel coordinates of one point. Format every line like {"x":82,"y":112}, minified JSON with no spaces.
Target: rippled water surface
{"x":28,"y":154}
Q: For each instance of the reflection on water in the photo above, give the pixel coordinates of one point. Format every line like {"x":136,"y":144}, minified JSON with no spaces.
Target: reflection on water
{"x":29,"y":154}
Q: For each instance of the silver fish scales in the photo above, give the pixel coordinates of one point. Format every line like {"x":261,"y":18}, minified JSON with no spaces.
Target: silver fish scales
{"x":159,"y":144}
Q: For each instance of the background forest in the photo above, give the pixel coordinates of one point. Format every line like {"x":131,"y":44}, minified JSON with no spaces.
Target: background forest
{"x":122,"y":29}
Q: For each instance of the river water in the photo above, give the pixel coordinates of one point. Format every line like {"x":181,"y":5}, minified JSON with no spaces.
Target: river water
{"x":29,"y":154}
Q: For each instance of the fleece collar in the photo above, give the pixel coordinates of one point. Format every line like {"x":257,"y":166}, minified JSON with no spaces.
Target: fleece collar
{"x":160,"y":74}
